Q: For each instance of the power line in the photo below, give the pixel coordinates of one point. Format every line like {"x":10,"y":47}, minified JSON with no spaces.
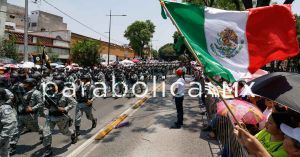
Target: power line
{"x":88,"y":27}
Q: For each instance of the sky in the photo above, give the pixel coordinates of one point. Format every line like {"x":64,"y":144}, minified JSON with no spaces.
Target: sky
{"x":93,"y":13}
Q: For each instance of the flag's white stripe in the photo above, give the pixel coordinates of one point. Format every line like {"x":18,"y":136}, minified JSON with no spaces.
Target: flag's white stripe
{"x":216,"y":21}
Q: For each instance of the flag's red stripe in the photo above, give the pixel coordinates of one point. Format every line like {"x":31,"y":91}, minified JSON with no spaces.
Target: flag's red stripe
{"x":271,"y":35}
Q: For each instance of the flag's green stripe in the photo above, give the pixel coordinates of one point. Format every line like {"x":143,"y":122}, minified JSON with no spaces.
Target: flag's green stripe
{"x":190,"y":20}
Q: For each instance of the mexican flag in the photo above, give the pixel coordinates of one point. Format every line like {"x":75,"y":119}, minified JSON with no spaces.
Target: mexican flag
{"x":232,"y":43}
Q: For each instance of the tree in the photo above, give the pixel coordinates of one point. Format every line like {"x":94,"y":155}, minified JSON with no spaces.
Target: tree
{"x":85,"y":52}
{"x":181,"y":49}
{"x":139,"y":34}
{"x":167,"y":52}
{"x":53,"y":56}
{"x":221,"y":4}
{"x":8,"y":48}
{"x":233,"y":4}
{"x":154,"y":54}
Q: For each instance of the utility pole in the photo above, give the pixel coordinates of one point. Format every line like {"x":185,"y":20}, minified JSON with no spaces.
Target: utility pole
{"x":26,"y":32}
{"x":109,"y":37}
{"x":110,"y":15}
{"x":151,"y":48}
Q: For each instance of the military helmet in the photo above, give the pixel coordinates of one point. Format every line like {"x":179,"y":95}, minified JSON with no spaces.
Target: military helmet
{"x":60,"y":84}
{"x":3,"y":82}
{"x":36,"y":75}
{"x":14,"y":75}
{"x":85,"y":77}
{"x":59,"y":77}
{"x":30,"y":81}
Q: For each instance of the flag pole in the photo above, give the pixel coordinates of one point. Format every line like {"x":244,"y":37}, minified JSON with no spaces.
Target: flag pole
{"x":195,"y":56}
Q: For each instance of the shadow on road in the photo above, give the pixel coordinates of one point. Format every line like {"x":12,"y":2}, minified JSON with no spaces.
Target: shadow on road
{"x":112,"y":136}
{"x":22,"y":149}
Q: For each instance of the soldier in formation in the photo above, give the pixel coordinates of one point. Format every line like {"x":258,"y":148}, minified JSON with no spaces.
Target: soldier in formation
{"x":58,"y":106}
{"x":25,"y":99}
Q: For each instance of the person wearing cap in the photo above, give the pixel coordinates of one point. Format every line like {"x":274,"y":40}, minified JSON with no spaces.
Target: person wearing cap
{"x":291,"y":143}
{"x":272,"y":137}
{"x":265,"y":145}
{"x":8,"y":122}
{"x":57,"y":106}
{"x":179,"y":96}
{"x":84,"y":97}
{"x":27,"y":111}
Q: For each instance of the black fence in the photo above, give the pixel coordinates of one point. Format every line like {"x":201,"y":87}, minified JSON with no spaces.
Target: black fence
{"x":224,"y":129}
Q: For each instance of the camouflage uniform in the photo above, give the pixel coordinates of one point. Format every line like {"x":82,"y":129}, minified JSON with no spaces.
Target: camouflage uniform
{"x":54,"y":117}
{"x":33,"y":98}
{"x":8,"y":123}
{"x":82,"y":105}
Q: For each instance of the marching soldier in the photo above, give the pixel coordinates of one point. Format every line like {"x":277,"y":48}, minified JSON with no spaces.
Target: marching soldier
{"x":57,"y":106}
{"x":8,"y":94}
{"x":8,"y":123}
{"x":84,"y":97}
{"x":27,"y":111}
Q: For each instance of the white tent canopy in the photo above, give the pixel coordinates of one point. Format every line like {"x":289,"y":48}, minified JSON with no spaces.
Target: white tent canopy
{"x":124,"y":62}
{"x":27,"y":65}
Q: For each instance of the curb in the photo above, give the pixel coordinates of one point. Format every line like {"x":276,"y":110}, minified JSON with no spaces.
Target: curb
{"x":108,"y":128}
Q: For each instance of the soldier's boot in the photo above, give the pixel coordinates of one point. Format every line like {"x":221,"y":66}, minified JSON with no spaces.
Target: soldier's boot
{"x":41,"y":139}
{"x":77,"y":130}
{"x":48,"y":151}
{"x":12,"y":149}
{"x":94,"y":123}
{"x":74,"y":138}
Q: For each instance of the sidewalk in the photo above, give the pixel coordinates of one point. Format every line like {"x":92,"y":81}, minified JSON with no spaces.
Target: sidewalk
{"x":149,"y":133}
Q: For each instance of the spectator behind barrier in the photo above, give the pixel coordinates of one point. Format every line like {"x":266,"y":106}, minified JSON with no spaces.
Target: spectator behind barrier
{"x":272,"y":137}
{"x":291,"y":143}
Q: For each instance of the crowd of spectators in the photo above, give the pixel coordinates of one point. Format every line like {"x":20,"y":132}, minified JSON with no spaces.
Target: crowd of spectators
{"x":278,"y":135}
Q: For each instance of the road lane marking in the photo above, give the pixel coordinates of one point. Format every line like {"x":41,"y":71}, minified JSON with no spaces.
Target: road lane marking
{"x":108,"y":128}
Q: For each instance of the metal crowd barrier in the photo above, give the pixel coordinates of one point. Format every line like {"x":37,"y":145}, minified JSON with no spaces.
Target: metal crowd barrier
{"x":224,"y":128}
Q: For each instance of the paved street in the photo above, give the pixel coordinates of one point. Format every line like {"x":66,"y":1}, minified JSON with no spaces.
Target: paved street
{"x":106,"y":111}
{"x":149,"y":133}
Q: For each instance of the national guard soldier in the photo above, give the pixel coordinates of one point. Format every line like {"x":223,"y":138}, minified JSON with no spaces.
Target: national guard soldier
{"x":8,"y":123}
{"x":119,"y":77}
{"x":8,"y":94}
{"x":27,"y":111}
{"x":84,"y":97}
{"x":57,"y":106}
{"x":70,"y":77}
{"x":46,"y":77}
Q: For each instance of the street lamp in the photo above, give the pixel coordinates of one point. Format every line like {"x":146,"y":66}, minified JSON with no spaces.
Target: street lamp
{"x":26,"y":32}
{"x":110,"y":15}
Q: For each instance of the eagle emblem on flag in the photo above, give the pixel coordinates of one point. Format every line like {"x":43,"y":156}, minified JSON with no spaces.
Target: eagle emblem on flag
{"x":227,"y":44}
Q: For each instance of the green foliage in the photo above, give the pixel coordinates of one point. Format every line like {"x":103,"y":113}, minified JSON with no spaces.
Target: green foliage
{"x":85,"y":52}
{"x":167,"y":52}
{"x":181,"y":49}
{"x":179,"y":44}
{"x":233,"y":4}
{"x":221,"y":4}
{"x":139,"y":34}
{"x":155,"y":54}
{"x":298,"y":27}
{"x":8,"y":48}
{"x":53,"y":56}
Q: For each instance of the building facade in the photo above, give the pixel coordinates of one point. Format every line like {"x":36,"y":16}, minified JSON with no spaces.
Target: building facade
{"x":57,"y":49}
{"x":43,"y":21}
{"x":15,"y":14}
{"x":3,"y":10}
{"x":45,"y":30}
{"x":117,"y":52}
